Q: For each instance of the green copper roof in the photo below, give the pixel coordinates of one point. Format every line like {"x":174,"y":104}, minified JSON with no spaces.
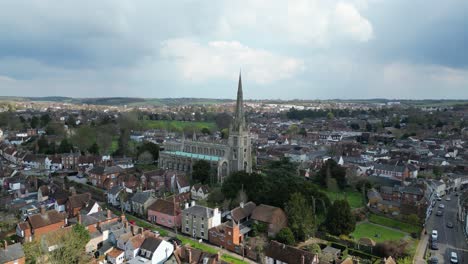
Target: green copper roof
{"x":193,"y":155}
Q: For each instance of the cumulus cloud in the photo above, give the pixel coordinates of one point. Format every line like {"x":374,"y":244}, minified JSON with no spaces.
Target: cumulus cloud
{"x":300,"y":21}
{"x":223,"y":59}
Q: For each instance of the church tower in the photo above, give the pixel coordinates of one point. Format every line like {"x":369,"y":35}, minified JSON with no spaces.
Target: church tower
{"x":240,"y":156}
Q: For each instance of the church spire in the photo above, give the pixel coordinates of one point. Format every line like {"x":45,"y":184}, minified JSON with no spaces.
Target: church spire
{"x":239,"y":119}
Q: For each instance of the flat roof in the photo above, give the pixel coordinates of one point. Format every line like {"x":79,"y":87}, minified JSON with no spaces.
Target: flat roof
{"x":193,"y":155}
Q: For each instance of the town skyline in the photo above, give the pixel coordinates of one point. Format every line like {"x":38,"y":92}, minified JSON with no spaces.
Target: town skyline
{"x":314,"y":50}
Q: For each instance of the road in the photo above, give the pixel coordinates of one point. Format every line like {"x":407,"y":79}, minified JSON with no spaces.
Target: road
{"x":450,"y":239}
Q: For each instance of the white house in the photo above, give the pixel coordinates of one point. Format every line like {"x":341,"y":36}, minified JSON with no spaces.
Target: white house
{"x":199,"y":192}
{"x":153,"y":251}
{"x":113,"y":195}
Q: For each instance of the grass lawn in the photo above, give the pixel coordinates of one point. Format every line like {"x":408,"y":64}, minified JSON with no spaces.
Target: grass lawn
{"x":369,"y":230}
{"x":405,"y":227}
{"x":209,"y":249}
{"x":178,"y":125}
{"x":354,"y":197}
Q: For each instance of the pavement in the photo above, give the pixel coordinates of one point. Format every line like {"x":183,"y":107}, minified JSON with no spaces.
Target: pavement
{"x":449,"y":239}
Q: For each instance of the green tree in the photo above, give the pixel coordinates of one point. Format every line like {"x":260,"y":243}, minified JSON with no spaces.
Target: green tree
{"x":303,"y":132}
{"x":300,"y":217}
{"x":72,"y":246}
{"x":42,"y":145}
{"x":123,"y":197}
{"x":314,"y":248}
{"x":56,"y":129}
{"x":94,"y":149}
{"x":45,"y":119}
{"x":206,"y":131}
{"x":146,"y":157}
{"x":33,"y":251}
{"x":124,"y":138}
{"x":84,"y":137}
{"x":340,"y":220}
{"x":150,"y":147}
{"x":330,"y":115}
{"x":65,"y":146}
{"x":225,"y":133}
{"x":285,"y":236}
{"x":201,"y":171}
{"x":35,"y":122}
{"x":329,"y":170}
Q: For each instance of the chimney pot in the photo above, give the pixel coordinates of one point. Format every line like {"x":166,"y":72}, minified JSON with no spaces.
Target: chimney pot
{"x":189,"y":255}
{"x":6,"y":244}
{"x":43,"y":209}
{"x":109,"y":214}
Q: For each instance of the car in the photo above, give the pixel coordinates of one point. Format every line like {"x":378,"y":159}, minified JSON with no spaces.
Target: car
{"x":449,"y":224}
{"x":453,"y":257}
{"x":441,"y":206}
{"x":457,"y":194}
{"x":434,"y":235}
{"x":434,"y":246}
{"x":439,"y":213}
{"x":439,"y":198}
{"x":433,"y":260}
{"x":447,"y":198}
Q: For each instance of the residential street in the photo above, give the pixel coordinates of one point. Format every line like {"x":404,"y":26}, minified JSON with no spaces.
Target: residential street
{"x":450,"y":239}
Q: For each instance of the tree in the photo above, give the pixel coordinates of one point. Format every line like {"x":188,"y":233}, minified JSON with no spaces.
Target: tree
{"x":65,"y":146}
{"x":340,"y":220}
{"x":303,"y":132}
{"x":363,"y":184}
{"x":71,"y":121}
{"x":206,"y":131}
{"x":300,"y":217}
{"x":94,"y":149}
{"x":223,"y":120}
{"x":330,"y":116}
{"x":84,"y":137}
{"x":123,"y":197}
{"x":45,"y":119}
{"x":201,"y":171}
{"x":42,"y":145}
{"x":123,"y":142}
{"x":216,"y":197}
{"x":314,"y":248}
{"x":224,"y":133}
{"x":56,"y":129}
{"x":35,"y":122}
{"x":329,"y":170}
{"x":145,"y":157}
{"x":285,"y":236}
{"x":151,"y":148}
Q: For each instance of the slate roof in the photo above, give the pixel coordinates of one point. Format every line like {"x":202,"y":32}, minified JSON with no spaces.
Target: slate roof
{"x":288,"y":254}
{"x":151,"y":244}
{"x":200,"y":211}
{"x":239,"y":213}
{"x":105,"y":170}
{"x":115,"y":190}
{"x":11,"y":253}
{"x":141,"y":197}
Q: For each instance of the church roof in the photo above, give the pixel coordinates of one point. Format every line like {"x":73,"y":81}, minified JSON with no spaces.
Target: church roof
{"x":193,"y":155}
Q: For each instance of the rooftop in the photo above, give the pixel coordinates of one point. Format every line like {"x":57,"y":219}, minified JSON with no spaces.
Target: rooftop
{"x":193,"y":155}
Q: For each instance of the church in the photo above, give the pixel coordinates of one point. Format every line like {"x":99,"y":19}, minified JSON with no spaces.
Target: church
{"x":224,"y":157}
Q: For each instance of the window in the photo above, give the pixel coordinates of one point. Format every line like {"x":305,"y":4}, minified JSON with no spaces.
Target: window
{"x":202,"y":233}
{"x":203,"y":225}
{"x":186,"y":229}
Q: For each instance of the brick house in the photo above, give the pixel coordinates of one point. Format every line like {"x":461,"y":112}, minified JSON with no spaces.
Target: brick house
{"x":98,"y":176}
{"x":273,"y":217}
{"x":12,"y":254}
{"x":165,"y":213}
{"x":396,"y":172}
{"x":228,"y":235}
{"x":70,"y":160}
{"x":39,"y":224}
{"x":76,"y":202}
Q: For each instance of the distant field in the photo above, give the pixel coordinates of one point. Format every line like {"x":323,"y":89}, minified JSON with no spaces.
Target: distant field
{"x":354,"y":197}
{"x":178,"y":125}
{"x":376,"y":232}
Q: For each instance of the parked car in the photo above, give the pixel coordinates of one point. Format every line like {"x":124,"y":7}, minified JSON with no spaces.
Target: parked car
{"x":434,"y":235}
{"x":433,"y":260}
{"x":453,"y":257}
{"x":447,"y":198}
{"x":449,"y":224}
{"x":441,"y":206}
{"x":434,"y":246}
{"x":439,"y":213}
{"x":439,"y":198}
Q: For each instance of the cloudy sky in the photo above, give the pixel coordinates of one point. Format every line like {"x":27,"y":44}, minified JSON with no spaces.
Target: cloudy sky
{"x":305,"y":49}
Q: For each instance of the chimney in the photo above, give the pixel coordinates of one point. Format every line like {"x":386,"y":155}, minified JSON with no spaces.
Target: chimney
{"x":302,"y":259}
{"x":109,"y":214}
{"x":192,"y":203}
{"x":78,"y":218}
{"x":43,"y":210}
{"x":189,"y":255}
{"x":241,"y":204}
{"x":66,"y":221}
{"x":218,"y":256}
{"x":140,"y":230}
{"x":186,"y":205}
{"x":215,"y":211}
{"x":98,"y":225}
{"x":132,"y":229}
{"x":122,"y":218}
{"x":6,"y":244}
